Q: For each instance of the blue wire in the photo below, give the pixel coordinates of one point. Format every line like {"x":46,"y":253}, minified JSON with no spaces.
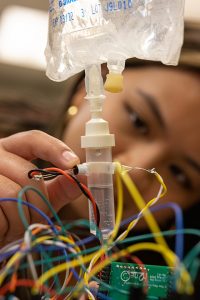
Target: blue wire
{"x":43,"y":215}
{"x":102,"y":296}
{"x":8,"y":254}
{"x":46,"y":218}
{"x":86,"y":240}
{"x":179,"y":241}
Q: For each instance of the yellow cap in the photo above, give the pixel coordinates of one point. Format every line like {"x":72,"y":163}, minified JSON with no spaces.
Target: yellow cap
{"x":114,"y":83}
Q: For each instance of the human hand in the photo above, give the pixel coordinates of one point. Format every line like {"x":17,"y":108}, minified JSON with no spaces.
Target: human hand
{"x":17,"y":152}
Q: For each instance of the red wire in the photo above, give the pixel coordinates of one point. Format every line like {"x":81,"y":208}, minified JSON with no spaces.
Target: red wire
{"x":136,"y":260}
{"x":53,"y":169}
{"x":24,"y":283}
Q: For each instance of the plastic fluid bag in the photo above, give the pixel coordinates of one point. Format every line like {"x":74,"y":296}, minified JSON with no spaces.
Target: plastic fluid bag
{"x":83,"y":32}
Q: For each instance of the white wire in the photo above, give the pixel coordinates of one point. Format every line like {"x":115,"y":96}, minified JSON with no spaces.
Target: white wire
{"x":60,"y":244}
{"x":90,"y":294}
{"x":141,"y":213}
{"x":11,"y":246}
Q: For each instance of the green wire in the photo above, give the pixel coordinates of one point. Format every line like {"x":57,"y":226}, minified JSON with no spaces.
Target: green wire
{"x":164,"y":233}
{"x":48,"y":264}
{"x":127,"y":240}
{"x":84,"y":223}
{"x":192,"y":255}
{"x":43,"y":198}
{"x":195,"y":268}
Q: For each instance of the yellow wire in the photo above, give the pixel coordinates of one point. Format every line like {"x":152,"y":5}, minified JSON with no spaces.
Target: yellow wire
{"x":119,"y":212}
{"x":62,"y":267}
{"x":9,"y":264}
{"x":119,"y":203}
{"x":17,"y":256}
{"x":149,"y":217}
{"x":141,"y":205}
{"x":171,"y":257}
{"x":138,"y":199}
{"x":185,"y":283}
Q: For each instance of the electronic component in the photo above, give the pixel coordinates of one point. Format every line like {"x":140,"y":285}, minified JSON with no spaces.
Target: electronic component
{"x":125,"y":278}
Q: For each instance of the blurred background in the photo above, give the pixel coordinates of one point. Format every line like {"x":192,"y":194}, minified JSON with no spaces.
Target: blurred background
{"x":28,"y":99}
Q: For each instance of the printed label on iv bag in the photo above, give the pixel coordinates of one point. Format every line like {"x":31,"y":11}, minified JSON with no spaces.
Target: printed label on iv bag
{"x":83,"y":32}
{"x":75,"y":15}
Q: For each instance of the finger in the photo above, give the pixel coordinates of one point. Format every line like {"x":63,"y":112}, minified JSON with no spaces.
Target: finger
{"x":16,"y":169}
{"x":61,"y":192}
{"x":11,"y":226}
{"x":37,"y":144}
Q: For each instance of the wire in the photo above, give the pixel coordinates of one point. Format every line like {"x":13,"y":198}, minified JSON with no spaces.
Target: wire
{"x":179,"y":242}
{"x":196,"y":232}
{"x":23,"y":283}
{"x":42,"y":197}
{"x":143,"y":207}
{"x":50,"y":173}
{"x":55,"y":244}
{"x":43,"y":215}
{"x":130,"y":249}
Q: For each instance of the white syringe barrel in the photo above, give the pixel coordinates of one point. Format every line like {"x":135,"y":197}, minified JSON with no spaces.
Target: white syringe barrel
{"x":100,"y":172}
{"x":100,"y":183}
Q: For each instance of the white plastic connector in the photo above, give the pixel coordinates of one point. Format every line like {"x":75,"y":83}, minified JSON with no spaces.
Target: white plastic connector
{"x":100,"y":167}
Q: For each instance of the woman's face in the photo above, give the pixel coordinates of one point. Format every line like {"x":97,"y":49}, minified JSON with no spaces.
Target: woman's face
{"x":155,"y":121}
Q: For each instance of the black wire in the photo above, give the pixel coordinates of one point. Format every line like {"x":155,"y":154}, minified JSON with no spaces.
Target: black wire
{"x":87,"y":195}
{"x":49,"y":175}
{"x":46,"y":175}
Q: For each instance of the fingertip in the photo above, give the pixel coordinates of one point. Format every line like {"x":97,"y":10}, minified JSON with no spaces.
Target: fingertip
{"x":70,"y":158}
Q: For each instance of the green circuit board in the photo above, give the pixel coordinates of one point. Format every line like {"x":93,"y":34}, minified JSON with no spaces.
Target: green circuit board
{"x":122,"y":276}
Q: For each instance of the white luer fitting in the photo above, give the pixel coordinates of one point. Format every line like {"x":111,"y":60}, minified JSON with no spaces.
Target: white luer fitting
{"x":97,"y":134}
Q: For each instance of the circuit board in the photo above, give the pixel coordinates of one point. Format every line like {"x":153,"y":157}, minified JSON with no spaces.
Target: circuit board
{"x":123,"y":276}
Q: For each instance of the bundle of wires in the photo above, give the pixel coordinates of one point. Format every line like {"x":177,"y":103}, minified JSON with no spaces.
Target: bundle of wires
{"x":60,"y":265}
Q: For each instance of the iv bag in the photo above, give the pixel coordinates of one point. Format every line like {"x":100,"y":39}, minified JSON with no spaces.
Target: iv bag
{"x":85,"y":32}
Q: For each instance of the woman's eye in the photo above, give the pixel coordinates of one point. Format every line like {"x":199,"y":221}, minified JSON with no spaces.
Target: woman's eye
{"x":138,"y":123}
{"x":181,"y":177}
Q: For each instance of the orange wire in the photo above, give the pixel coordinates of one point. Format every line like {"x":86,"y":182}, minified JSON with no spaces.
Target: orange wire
{"x":68,"y":280}
{"x":13,"y":280}
{"x":38,"y":230}
{"x":13,"y":283}
{"x":24,"y":283}
{"x":83,"y":186}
